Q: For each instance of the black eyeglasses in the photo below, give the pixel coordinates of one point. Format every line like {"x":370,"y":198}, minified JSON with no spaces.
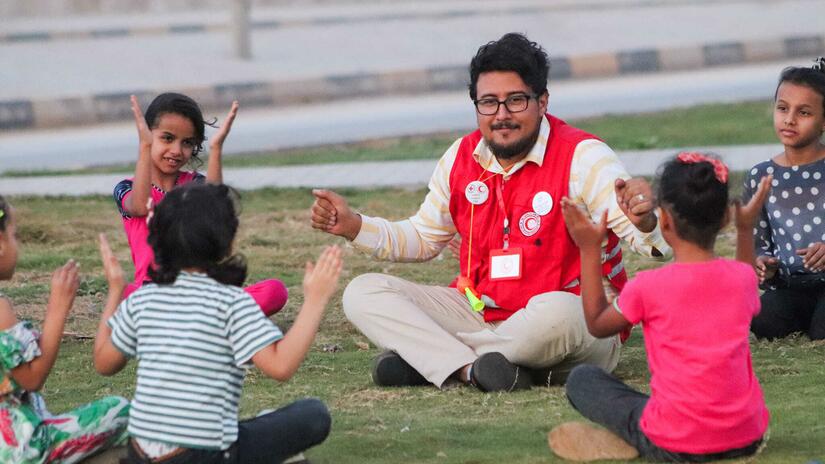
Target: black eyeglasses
{"x":514,"y":103}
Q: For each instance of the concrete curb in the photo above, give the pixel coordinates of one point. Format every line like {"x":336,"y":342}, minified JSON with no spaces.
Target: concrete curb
{"x":109,"y":107}
{"x":358,"y":175}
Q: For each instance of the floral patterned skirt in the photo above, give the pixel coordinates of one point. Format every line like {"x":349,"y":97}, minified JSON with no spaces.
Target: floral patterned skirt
{"x":30,"y":435}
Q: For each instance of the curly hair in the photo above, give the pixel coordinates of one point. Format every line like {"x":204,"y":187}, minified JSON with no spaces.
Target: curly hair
{"x":193,"y":227}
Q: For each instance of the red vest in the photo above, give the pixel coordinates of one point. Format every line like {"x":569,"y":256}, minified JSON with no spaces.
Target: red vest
{"x":550,"y":257}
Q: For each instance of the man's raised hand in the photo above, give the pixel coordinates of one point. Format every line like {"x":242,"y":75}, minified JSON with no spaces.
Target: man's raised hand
{"x":635,"y":198}
{"x":331,"y":213}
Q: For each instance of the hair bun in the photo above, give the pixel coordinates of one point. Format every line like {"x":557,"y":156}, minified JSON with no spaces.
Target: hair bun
{"x":819,"y":64}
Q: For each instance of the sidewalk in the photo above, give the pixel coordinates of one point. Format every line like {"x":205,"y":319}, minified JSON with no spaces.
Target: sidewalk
{"x":306,"y":55}
{"x":386,"y":174}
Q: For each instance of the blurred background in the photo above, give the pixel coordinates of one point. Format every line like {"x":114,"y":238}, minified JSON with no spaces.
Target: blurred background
{"x":316,"y":72}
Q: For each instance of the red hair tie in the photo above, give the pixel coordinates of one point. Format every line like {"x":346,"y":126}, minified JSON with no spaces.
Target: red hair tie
{"x":719,"y":168}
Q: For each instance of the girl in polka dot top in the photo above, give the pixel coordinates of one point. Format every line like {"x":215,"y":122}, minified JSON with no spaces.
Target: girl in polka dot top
{"x":790,"y":235}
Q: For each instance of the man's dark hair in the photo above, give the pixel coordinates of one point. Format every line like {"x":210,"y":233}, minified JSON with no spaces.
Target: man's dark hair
{"x":512,"y":52}
{"x":193,"y":227}
{"x":695,"y":198}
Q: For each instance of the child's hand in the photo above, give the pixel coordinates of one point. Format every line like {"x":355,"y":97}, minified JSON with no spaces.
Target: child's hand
{"x":144,"y":134}
{"x":747,"y":215}
{"x":813,"y":257}
{"x":223,"y":132}
{"x":65,"y":281}
{"x":584,"y":232}
{"x":766,"y":267}
{"x":111,"y":267}
{"x":321,"y":279}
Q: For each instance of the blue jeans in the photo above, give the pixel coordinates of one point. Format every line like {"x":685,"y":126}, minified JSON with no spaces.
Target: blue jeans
{"x":606,"y":400}
{"x":270,"y":438}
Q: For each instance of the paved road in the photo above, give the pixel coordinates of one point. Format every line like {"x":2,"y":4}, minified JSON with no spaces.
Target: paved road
{"x":369,"y":50}
{"x":328,"y":48}
{"x":335,"y":122}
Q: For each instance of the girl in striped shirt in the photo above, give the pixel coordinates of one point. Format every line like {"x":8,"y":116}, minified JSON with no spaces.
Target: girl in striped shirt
{"x":193,"y":331}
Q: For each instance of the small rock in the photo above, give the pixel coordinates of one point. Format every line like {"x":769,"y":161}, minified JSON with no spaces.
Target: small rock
{"x":363,"y":346}
{"x":332,"y":348}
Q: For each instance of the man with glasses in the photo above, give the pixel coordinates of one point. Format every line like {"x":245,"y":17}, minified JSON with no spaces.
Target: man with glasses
{"x":513,"y":317}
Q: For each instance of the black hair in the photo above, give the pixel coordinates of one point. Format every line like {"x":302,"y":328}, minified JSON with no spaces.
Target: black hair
{"x":176,"y":103}
{"x":4,"y":213}
{"x":696,"y":199}
{"x":813,"y":78}
{"x":193,"y":227}
{"x":512,"y":52}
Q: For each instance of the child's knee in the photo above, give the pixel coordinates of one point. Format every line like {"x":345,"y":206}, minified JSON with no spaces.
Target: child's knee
{"x":271,"y":295}
{"x":318,"y":419}
{"x":117,"y":406}
{"x":580,"y":379}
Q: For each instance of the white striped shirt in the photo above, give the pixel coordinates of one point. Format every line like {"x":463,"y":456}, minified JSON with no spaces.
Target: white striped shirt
{"x":593,"y":171}
{"x":191,"y":339}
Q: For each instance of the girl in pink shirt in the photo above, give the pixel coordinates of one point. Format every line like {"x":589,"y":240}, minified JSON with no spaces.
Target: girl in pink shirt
{"x":171,"y":136}
{"x":705,"y":401}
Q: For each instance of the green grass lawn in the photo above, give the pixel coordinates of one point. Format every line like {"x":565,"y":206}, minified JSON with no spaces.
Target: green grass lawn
{"x":371,"y":425}
{"x":704,"y":125}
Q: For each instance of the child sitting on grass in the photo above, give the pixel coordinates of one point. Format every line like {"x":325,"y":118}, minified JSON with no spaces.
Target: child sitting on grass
{"x":29,"y":434}
{"x":790,"y":236}
{"x":170,"y":138}
{"x":705,"y":402}
{"x":193,"y":331}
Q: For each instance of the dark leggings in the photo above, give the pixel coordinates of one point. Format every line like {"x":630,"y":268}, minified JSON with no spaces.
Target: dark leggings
{"x":790,"y":310}
{"x":607,"y":401}
{"x":270,"y":438}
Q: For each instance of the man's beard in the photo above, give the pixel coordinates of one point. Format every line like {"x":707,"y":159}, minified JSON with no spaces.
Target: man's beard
{"x":515,"y":148}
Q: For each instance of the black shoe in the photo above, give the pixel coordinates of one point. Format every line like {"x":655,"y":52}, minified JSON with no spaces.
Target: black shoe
{"x":492,"y":372}
{"x":541,"y":377}
{"x":390,"y":370}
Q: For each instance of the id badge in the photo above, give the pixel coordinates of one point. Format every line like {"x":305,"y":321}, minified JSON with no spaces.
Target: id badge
{"x":505,"y":264}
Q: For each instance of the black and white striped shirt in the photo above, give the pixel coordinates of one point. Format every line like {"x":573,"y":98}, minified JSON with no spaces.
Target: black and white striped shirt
{"x":191,"y":339}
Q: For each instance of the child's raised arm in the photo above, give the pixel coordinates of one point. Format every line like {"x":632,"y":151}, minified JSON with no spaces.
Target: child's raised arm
{"x":602,"y":320}
{"x":746,"y":217}
{"x":32,"y":375}
{"x":109,"y":360}
{"x":136,"y":204}
{"x":214,"y":167}
{"x":281,"y":359}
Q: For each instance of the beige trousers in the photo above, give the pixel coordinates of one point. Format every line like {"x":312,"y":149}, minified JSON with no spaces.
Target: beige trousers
{"x":434,"y":329}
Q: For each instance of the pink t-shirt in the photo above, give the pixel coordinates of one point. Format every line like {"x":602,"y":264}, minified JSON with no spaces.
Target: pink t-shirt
{"x":137,"y":231}
{"x":696,"y":319}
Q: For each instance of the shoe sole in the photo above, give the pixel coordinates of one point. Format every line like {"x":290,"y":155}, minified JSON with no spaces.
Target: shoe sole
{"x":578,"y":441}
